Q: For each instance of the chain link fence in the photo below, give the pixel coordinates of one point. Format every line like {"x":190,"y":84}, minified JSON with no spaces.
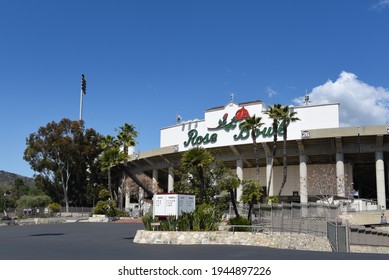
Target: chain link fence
{"x":13,"y":213}
{"x":310,"y":218}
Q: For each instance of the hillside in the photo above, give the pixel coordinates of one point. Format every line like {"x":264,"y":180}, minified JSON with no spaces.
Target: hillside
{"x":7,"y":180}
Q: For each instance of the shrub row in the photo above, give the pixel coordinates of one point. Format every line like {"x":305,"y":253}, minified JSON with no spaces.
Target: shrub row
{"x":204,"y":218}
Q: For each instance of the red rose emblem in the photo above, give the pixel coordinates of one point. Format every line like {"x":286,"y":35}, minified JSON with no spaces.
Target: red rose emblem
{"x":241,"y":114}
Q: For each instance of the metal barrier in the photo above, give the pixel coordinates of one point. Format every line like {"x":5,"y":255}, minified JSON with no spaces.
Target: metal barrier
{"x":310,"y":218}
{"x":43,"y":212}
{"x":247,"y":228}
{"x":316,"y":219}
{"x":338,"y":236}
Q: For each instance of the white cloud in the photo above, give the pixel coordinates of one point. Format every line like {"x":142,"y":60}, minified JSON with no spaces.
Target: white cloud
{"x":360,"y":103}
{"x":380,"y":5}
{"x":270,"y":92}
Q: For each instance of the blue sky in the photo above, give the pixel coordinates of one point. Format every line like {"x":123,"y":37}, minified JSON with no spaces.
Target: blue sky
{"x":147,"y":61}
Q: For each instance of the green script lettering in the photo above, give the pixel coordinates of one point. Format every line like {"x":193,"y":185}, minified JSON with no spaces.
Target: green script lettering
{"x":195,"y":139}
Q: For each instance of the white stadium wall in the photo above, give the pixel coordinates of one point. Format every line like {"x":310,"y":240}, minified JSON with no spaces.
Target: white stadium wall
{"x":220,"y":126}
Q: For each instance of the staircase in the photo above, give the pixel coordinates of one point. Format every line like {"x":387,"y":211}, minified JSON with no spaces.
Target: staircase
{"x":365,"y":217}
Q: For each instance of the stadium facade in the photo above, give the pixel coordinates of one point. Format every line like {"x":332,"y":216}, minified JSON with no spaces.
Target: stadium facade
{"x":316,"y":145}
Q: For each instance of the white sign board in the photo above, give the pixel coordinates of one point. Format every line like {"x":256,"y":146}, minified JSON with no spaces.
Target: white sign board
{"x":173,"y":204}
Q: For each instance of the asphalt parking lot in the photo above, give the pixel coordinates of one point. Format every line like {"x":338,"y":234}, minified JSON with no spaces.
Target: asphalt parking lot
{"x":114,"y":241}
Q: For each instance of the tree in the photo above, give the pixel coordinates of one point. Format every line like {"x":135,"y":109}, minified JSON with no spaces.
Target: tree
{"x":14,"y":193}
{"x":132,"y":189}
{"x":212,"y":171}
{"x":274,"y":113}
{"x":195,"y":161}
{"x":62,"y":153}
{"x":3,"y":200}
{"x":126,"y":137}
{"x":105,"y":205}
{"x":115,"y":152}
{"x":252,"y":124}
{"x":286,"y":116}
{"x":324,"y":184}
{"x":251,"y":193}
{"x":27,"y":201}
{"x":230,"y":184}
{"x":111,"y":156}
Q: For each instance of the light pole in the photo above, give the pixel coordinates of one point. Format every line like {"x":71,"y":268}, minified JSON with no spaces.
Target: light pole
{"x":82,"y":93}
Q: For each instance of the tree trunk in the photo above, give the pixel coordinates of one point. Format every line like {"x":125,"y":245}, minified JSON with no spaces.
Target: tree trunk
{"x":250,"y":209}
{"x":65,"y":186}
{"x":284,"y":160}
{"x":251,"y":206}
{"x":253,"y":136}
{"x":233,"y":201}
{"x":202,"y":185}
{"x":274,"y":152}
{"x":109,"y":183}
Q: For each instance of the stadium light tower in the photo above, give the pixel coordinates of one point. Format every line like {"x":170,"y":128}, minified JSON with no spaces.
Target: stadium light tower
{"x":82,"y":93}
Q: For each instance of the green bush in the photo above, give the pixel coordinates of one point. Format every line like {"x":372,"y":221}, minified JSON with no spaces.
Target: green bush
{"x":184,"y":222}
{"x":28,"y":201}
{"x":204,"y":218}
{"x":147,"y":220}
{"x":122,"y":213}
{"x":169,"y":224}
{"x":272,"y":199}
{"x":240,"y":221}
{"x":54,"y":208}
{"x":107,"y":207}
{"x":104,"y":194}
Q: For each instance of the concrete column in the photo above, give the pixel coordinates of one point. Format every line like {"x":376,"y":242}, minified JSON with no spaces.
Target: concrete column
{"x":380,"y":177}
{"x":239,"y":173}
{"x":141,"y":201}
{"x":340,"y":182}
{"x":155,"y":177}
{"x":127,"y":201}
{"x":303,"y":179}
{"x":269,"y":177}
{"x":170,"y":180}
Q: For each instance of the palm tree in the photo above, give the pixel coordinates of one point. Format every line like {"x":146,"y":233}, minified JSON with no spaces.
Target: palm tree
{"x":252,"y":124}
{"x":274,"y":113}
{"x":126,"y":138}
{"x":230,"y":184}
{"x":111,"y":156}
{"x":197,"y":160}
{"x":251,"y":194}
{"x":287,"y":116}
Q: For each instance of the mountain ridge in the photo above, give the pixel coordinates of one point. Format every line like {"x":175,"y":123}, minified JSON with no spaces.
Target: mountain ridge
{"x":7,"y":180}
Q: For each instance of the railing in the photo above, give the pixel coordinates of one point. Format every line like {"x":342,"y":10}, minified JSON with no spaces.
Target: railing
{"x":338,"y":235}
{"x":246,"y":228}
{"x":310,"y":218}
{"x":76,"y":212}
{"x":316,"y":219}
{"x":43,"y":212}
